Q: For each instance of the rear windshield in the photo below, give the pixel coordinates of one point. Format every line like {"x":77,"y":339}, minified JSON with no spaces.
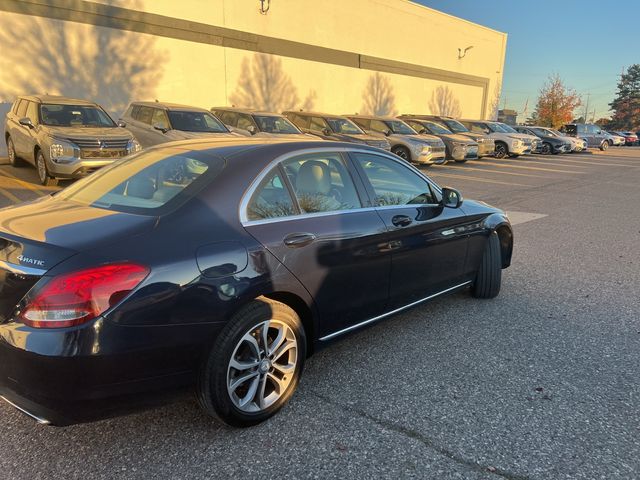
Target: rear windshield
{"x":149,"y":183}
{"x":195,"y":122}
{"x":275,"y":124}
{"x":74,"y":116}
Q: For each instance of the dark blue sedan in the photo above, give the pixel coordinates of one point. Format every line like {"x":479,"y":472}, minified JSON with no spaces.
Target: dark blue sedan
{"x":220,"y":266}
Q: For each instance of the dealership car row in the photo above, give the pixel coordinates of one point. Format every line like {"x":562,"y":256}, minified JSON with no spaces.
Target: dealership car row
{"x":67,"y":138}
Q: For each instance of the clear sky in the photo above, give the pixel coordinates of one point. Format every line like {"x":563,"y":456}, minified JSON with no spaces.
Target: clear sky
{"x":587,"y":42}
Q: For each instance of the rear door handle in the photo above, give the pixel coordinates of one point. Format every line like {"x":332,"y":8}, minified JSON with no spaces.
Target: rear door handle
{"x":401,"y":220}
{"x":295,"y":240}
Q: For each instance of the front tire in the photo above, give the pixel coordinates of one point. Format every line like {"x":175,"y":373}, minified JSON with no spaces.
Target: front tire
{"x":501,"y":150}
{"x":546,"y":148}
{"x":402,"y":152}
{"x":604,"y":145}
{"x":43,"y":172}
{"x":489,"y":275}
{"x":254,"y":365}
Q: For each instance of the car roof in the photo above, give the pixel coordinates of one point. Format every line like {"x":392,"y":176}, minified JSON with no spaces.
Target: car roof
{"x":249,"y":111}
{"x":59,"y":99}
{"x":384,"y":118}
{"x":315,"y":114}
{"x":170,"y":106}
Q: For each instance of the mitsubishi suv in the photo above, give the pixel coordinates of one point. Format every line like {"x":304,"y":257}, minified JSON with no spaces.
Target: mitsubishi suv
{"x":260,"y":124}
{"x":405,"y":141}
{"x":459,"y":147}
{"x":507,"y":144}
{"x":63,"y":137}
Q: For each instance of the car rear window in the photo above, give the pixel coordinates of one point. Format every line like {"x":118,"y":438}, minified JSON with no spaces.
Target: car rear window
{"x":152,"y":182}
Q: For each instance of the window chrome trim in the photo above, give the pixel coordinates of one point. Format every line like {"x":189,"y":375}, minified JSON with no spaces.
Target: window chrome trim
{"x":246,"y":196}
{"x":21,"y":269}
{"x":392,"y":312}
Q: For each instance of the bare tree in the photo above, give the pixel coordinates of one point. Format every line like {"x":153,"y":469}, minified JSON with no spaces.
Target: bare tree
{"x":106,"y":65}
{"x":494,"y":106}
{"x":444,"y":102}
{"x":264,"y":85}
{"x":378,"y":96}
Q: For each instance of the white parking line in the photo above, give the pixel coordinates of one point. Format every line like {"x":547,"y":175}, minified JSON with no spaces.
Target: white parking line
{"x":517,"y":218}
{"x":532,"y":168}
{"x":478,"y":179}
{"x":466,"y":167}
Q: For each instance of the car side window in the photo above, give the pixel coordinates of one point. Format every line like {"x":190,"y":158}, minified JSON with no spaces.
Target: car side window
{"x":32,"y":112}
{"x":322,"y":183}
{"x":393,"y":183}
{"x":363,"y":123}
{"x":244,"y":121}
{"x":229,"y":118}
{"x":317,"y":124}
{"x":300,"y":121}
{"x":145,"y":114}
{"x":159,"y":118}
{"x":22,"y":108}
{"x":480,"y":128}
{"x":378,"y":126}
{"x":271,"y":199}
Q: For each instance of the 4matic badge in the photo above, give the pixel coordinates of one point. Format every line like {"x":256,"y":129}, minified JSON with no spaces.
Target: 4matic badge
{"x":31,"y":261}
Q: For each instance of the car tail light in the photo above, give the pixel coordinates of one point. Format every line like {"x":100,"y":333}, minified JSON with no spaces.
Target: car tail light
{"x":77,"y":297}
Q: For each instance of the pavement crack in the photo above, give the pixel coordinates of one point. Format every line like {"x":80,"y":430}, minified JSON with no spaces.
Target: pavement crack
{"x":426,"y":441}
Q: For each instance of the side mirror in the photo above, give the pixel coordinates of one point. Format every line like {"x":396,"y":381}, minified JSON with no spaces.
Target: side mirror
{"x":423,"y":131}
{"x":157,"y":126}
{"x":26,"y":121}
{"x":451,"y":197}
{"x":122,"y":124}
{"x":252,"y":129}
{"x":326,"y":131}
{"x":387,"y":133}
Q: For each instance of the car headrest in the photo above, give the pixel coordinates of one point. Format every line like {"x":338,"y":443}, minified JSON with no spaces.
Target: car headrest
{"x":314,"y":177}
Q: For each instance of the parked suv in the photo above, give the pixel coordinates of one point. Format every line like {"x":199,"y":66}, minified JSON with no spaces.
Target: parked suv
{"x":507,"y":144}
{"x":486,"y":145}
{"x":63,"y":137}
{"x":458,"y":147}
{"x":590,"y":133}
{"x":153,"y":123}
{"x":334,"y":127}
{"x":630,"y":138}
{"x":260,"y":124}
{"x":551,"y":144}
{"x":405,"y":141}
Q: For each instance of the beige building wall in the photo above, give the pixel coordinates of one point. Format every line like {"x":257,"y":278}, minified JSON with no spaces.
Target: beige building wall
{"x":339,"y":56}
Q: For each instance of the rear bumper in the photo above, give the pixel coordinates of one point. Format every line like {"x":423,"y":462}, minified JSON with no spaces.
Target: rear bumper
{"x":63,"y":377}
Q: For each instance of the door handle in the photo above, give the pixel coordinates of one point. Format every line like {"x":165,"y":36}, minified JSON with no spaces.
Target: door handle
{"x":295,"y":240}
{"x":401,"y":220}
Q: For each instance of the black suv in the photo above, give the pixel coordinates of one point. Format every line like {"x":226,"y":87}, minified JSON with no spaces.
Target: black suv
{"x":334,"y":127}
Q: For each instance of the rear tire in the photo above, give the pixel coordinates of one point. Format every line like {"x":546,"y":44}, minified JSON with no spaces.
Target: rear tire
{"x":489,"y":275}
{"x":14,"y":160}
{"x":604,"y":145}
{"x":547,"y":149}
{"x":260,"y":383}
{"x":43,"y":172}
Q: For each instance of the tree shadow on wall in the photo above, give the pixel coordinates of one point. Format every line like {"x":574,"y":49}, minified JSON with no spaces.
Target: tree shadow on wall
{"x":494,"y":106}
{"x":106,"y":65}
{"x":264,"y":85}
{"x":378,"y":97}
{"x":444,"y":102}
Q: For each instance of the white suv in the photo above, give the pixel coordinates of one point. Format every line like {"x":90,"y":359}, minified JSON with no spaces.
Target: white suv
{"x":507,"y":143}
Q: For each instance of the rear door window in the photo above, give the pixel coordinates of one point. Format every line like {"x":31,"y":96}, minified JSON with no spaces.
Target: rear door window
{"x":271,"y":199}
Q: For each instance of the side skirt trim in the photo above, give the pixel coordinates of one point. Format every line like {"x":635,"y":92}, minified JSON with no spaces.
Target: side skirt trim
{"x":40,"y":420}
{"x":392,"y":312}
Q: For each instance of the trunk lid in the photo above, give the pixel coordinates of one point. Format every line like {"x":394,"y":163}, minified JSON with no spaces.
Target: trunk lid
{"x":36,"y":236}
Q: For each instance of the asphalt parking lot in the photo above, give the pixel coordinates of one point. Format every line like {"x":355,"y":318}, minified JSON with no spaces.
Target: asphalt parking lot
{"x":539,"y":383}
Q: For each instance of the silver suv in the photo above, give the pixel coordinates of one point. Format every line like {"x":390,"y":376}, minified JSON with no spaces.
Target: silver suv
{"x":63,"y":137}
{"x":405,"y":141}
{"x":248,"y":122}
{"x":155,"y":122}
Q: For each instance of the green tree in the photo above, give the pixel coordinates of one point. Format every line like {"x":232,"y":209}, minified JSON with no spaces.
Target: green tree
{"x":626,"y":104}
{"x":556,"y":103}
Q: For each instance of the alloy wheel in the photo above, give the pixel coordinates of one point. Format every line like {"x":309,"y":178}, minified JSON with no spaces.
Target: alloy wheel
{"x":501,"y":151}
{"x":11,"y":152}
{"x":546,"y":148}
{"x":262,"y":366}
